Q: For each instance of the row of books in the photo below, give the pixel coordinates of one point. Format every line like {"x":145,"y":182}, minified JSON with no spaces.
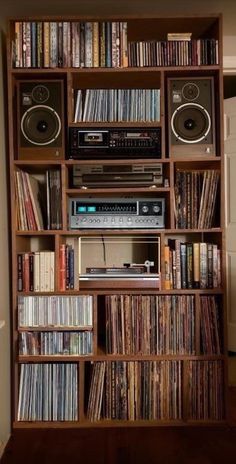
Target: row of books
{"x":98,"y":105}
{"x":136,"y":390}
{"x":210,"y":324}
{"x":206,"y":387}
{"x":192,"y":265}
{"x":36,"y":271}
{"x":195,"y":198}
{"x":55,"y":311}
{"x":51,"y":44}
{"x":48,"y":392}
{"x":55,"y":343}
{"x":150,"y":324}
{"x":193,"y":52}
{"x":38,"y":200}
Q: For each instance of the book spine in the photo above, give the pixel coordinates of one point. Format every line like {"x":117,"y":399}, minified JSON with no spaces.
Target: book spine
{"x":95,"y":44}
{"x":33,"y":44}
{"x":36,"y":259}
{"x":167,"y":267}
{"x":88,"y":45}
{"x":40,"y":52}
{"x":42,"y":286}
{"x":46,"y":44}
{"x":189,"y":249}
{"x":62,"y":268}
{"x":20,"y":273}
{"x":183,"y":259}
{"x":31,"y":272}
{"x":52,"y":271}
{"x":196,"y":265}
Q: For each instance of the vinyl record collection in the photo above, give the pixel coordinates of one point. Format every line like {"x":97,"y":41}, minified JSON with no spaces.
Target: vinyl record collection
{"x":111,"y":105}
{"x":48,"y":392}
{"x":55,"y":343}
{"x":148,"y":390}
{"x":150,"y":324}
{"x":195,"y":198}
{"x":58,"y":311}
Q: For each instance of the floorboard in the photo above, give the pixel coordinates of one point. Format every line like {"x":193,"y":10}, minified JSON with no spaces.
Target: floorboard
{"x":165,"y":445}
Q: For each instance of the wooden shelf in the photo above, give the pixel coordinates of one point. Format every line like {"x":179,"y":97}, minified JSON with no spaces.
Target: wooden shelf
{"x":147,"y":69}
{"x":125,"y":124}
{"x":70,"y":162}
{"x":56,"y":328}
{"x":131,"y":190}
{"x":70,"y":80}
{"x":82,"y":232}
{"x":107,"y":357}
{"x":193,"y":231}
{"x":108,"y":291}
{"x":117,"y":423}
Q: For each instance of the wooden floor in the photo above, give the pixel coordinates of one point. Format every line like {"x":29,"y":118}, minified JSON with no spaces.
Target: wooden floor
{"x":169,"y":445}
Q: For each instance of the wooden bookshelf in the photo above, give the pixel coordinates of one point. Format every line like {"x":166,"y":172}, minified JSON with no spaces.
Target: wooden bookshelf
{"x":79,"y":370}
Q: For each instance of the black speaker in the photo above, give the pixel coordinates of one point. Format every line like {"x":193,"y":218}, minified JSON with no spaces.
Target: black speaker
{"x":191,"y":116}
{"x":40,"y":119}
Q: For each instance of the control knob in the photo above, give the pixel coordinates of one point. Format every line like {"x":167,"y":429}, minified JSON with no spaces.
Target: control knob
{"x":156,"y":208}
{"x":145,"y":209}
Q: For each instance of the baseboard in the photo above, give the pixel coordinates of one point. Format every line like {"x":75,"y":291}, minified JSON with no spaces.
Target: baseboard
{"x":3,"y":446}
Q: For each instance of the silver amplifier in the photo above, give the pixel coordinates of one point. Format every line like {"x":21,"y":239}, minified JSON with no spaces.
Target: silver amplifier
{"x":114,"y":175}
{"x":116,"y":213}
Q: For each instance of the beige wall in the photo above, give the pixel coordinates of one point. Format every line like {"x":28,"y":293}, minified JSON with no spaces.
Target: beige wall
{"x":11,"y":8}
{"x":4,"y":277}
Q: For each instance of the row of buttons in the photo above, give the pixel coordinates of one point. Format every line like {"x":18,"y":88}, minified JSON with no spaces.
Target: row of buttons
{"x":113,"y":220}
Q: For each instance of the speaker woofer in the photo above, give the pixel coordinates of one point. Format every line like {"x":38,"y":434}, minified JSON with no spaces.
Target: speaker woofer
{"x":41,"y":125}
{"x":191,"y":123}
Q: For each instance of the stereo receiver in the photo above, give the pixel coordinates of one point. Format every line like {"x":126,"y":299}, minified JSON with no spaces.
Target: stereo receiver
{"x":114,"y":143}
{"x":116,"y":213}
{"x":110,"y":175}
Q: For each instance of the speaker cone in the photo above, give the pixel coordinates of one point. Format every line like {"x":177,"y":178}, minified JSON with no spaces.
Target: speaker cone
{"x":41,"y":125}
{"x":190,"y":123}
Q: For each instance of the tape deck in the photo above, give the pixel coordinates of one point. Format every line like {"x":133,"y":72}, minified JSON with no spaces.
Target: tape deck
{"x":114,"y":143}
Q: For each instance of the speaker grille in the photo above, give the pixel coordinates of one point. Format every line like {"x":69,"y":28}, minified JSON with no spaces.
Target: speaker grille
{"x":190,"y":123}
{"x":41,"y":125}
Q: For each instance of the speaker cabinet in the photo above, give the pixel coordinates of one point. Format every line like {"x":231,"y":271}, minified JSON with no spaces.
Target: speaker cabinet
{"x":191,"y":116}
{"x":40,"y":119}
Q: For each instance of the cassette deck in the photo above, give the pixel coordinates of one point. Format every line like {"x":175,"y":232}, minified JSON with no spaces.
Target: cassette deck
{"x":114,"y":143}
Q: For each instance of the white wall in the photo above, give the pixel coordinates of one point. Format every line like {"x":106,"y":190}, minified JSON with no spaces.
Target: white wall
{"x":12,"y":8}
